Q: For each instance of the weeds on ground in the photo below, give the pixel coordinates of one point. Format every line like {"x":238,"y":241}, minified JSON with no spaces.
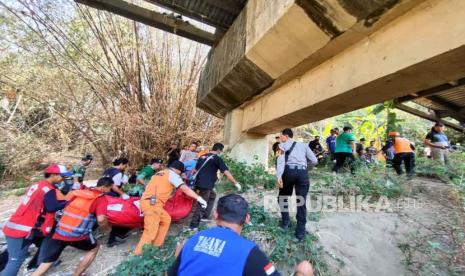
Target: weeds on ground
{"x":20,"y":183}
{"x":153,"y":260}
{"x":375,"y":180}
{"x":281,"y":247}
{"x":453,"y":172}
{"x":435,"y":254}
{"x":440,"y":248}
{"x":249,"y":176}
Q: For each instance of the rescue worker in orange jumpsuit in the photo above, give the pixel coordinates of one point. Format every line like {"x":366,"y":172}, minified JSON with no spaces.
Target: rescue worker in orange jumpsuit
{"x":31,"y":222}
{"x":404,"y":152}
{"x":160,"y":188}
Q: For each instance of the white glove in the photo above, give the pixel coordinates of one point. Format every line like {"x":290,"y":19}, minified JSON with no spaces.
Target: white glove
{"x":238,"y":186}
{"x":76,"y":186}
{"x":125,"y":196}
{"x":202,"y":202}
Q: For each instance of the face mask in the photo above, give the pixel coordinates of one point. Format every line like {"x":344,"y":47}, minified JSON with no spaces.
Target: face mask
{"x":60,"y":185}
{"x":65,"y":185}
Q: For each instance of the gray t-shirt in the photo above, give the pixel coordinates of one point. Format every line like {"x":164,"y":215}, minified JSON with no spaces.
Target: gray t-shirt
{"x":187,"y":155}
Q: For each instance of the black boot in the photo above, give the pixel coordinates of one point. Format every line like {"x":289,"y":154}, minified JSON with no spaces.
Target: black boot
{"x":300,"y":232}
{"x":285,"y":224}
{"x":285,"y":221}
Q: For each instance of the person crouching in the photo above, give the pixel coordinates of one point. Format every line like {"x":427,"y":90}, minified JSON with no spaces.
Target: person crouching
{"x":84,"y":209}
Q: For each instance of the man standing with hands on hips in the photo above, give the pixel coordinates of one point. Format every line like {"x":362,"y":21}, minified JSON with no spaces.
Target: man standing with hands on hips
{"x":205,"y":177}
{"x":294,"y":176}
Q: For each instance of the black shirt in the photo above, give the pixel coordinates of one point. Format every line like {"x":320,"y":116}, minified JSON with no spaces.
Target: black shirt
{"x":207,"y":175}
{"x":358,"y":147}
{"x":256,"y":265}
{"x":315,"y":146}
{"x":173,"y":155}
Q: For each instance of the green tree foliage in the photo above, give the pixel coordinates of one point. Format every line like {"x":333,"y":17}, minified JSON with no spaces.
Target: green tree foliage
{"x":374,"y":123}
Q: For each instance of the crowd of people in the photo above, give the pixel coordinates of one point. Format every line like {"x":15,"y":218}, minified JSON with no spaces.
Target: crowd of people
{"x":293,"y":158}
{"x":344,"y":150}
{"x":60,"y":211}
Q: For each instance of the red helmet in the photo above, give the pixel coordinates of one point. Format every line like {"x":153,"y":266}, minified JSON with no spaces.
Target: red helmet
{"x":393,"y":134}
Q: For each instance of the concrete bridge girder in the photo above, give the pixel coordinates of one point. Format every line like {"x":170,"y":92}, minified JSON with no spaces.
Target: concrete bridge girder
{"x":272,"y":41}
{"x":422,"y":48}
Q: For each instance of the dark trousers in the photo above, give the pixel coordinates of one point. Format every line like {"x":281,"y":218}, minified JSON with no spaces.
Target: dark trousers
{"x":198,"y":212}
{"x":409,"y":162}
{"x":332,"y":156}
{"x":117,"y":231}
{"x":341,"y":158}
{"x":294,"y":179}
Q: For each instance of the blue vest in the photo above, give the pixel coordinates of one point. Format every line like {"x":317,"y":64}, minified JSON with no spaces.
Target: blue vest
{"x":110,"y":172}
{"x":215,"y":251}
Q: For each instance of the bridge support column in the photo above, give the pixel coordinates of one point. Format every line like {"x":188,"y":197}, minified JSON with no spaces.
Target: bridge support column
{"x":248,"y":147}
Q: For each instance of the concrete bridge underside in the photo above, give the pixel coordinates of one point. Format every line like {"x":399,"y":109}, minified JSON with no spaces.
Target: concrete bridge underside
{"x":285,"y":63}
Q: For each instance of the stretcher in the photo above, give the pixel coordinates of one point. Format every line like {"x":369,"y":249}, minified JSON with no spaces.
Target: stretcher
{"x":127,"y":213}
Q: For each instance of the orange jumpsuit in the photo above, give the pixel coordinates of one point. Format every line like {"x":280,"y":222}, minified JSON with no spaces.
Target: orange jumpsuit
{"x":156,"y":220}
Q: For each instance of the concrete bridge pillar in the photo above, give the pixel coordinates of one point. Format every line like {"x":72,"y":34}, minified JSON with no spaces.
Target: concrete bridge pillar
{"x":248,"y":147}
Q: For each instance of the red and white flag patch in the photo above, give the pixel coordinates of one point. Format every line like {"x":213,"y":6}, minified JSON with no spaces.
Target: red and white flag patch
{"x":269,"y":269}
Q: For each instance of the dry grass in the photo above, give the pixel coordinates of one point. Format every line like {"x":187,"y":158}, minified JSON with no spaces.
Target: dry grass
{"x":94,"y":82}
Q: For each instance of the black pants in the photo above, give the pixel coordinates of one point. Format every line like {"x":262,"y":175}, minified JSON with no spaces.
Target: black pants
{"x":332,"y":156}
{"x":341,"y":158}
{"x":198,"y":212}
{"x":409,"y":162}
{"x":298,"y":180}
{"x":117,"y":231}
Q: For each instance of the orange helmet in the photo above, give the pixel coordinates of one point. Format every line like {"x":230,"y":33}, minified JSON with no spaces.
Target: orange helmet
{"x":393,"y":134}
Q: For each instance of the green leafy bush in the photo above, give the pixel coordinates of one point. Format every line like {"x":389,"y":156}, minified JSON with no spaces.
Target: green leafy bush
{"x":153,"y":260}
{"x":375,"y":180}
{"x":249,"y":176}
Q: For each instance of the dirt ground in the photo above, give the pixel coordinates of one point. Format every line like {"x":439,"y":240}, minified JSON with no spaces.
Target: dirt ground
{"x":367,"y":243}
{"x":356,"y":243}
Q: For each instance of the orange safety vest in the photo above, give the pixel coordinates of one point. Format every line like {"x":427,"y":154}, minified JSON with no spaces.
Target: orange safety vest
{"x":402,"y":145}
{"x":29,"y":211}
{"x":77,"y":220}
{"x":202,"y":153}
{"x":160,"y":187}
